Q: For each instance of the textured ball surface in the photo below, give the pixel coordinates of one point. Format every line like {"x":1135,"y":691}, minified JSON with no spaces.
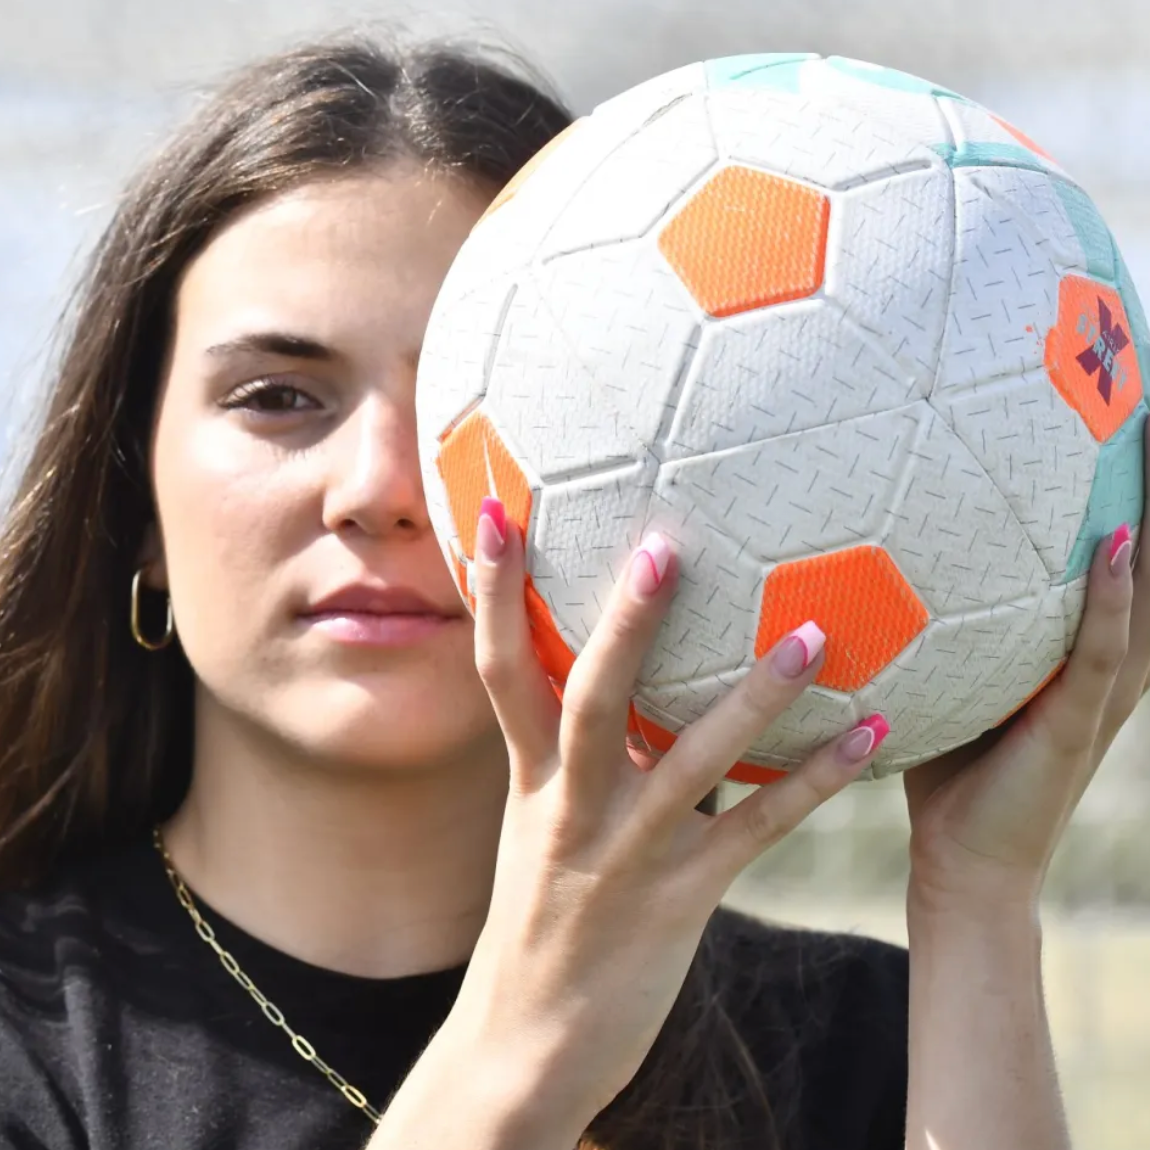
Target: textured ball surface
{"x":859,"y":347}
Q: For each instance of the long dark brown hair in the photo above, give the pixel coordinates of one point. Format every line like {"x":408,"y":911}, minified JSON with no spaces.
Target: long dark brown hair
{"x":95,"y":733}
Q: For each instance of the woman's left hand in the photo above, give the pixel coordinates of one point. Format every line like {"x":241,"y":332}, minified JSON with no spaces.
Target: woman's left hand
{"x":985,"y":819}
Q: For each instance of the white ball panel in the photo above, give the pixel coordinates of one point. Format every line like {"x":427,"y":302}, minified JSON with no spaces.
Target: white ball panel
{"x":585,"y":531}
{"x":512,"y":235}
{"x":1033,"y":200}
{"x":638,"y":104}
{"x":889,"y":251}
{"x":952,"y":533}
{"x":971,"y":125}
{"x":1014,"y":680}
{"x":1005,"y":295}
{"x":827,"y":144}
{"x":784,"y":498}
{"x":712,"y":624}
{"x":901,"y":691}
{"x":1038,"y":452}
{"x":780,"y":370}
{"x":549,"y":400}
{"x":632,"y":324}
{"x":961,"y":676}
{"x":632,"y":189}
{"x":684,"y":702}
{"x":817,"y":716}
{"x":458,"y":353}
{"x":915,"y":115}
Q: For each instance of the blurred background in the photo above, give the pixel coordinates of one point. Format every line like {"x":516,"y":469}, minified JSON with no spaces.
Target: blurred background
{"x":87,"y":87}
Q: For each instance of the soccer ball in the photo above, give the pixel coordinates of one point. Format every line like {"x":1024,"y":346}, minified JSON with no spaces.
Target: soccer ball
{"x":860,"y":348}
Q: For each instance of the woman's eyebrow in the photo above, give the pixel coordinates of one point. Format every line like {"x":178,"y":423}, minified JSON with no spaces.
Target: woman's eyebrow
{"x":273,"y":343}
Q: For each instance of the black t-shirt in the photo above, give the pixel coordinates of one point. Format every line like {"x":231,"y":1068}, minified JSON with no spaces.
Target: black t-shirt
{"x":120,"y":1030}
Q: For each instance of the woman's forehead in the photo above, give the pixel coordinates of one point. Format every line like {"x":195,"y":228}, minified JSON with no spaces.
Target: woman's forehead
{"x":354,"y":219}
{"x":328,"y":253}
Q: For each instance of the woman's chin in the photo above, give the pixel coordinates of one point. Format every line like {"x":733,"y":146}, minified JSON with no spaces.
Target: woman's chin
{"x":353,"y":724}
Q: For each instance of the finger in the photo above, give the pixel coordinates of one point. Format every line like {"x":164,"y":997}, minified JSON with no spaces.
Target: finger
{"x":1142,"y":560}
{"x":710,"y":746}
{"x":1138,"y":656}
{"x":1137,"y":669}
{"x":520,"y":689}
{"x":597,"y":697}
{"x":1070,"y":711}
{"x":1134,"y":676}
{"x":770,"y":813}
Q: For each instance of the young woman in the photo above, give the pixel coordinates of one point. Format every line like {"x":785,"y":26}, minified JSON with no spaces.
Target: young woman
{"x":297,"y":856}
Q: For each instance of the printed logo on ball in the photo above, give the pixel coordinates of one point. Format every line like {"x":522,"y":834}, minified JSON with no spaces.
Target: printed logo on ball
{"x":1105,"y":341}
{"x":1100,"y":380}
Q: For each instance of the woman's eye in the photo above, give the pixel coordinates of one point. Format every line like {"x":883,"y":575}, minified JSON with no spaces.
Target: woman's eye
{"x":270,"y":398}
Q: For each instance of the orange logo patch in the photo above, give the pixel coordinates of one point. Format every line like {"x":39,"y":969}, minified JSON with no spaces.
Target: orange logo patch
{"x":1090,"y":358}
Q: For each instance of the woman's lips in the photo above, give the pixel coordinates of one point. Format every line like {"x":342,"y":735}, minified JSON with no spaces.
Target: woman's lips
{"x":367,"y":629}
{"x":371,"y":613}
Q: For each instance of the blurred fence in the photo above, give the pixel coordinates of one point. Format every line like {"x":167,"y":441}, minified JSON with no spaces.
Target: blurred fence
{"x":87,"y":86}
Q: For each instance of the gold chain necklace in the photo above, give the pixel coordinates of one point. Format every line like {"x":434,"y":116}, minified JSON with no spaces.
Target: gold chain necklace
{"x":271,"y":1012}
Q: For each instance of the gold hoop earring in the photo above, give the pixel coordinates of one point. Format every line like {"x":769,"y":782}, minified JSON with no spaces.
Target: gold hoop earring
{"x":137,"y":631}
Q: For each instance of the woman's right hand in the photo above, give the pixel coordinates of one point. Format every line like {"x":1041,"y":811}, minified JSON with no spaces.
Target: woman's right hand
{"x":606,"y":873}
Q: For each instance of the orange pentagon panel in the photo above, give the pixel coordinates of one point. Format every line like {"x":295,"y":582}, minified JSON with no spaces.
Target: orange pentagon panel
{"x":858,"y":597}
{"x":658,"y":740}
{"x":1090,"y":357}
{"x":557,"y":658}
{"x":472,"y":459}
{"x":749,"y":239}
{"x":520,"y":178}
{"x":754,"y":774}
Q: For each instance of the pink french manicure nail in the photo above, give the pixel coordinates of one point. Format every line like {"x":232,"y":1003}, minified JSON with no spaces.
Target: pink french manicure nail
{"x":799,"y":649}
{"x":491,"y":531}
{"x":649,"y":565}
{"x":1121,"y":549}
{"x":865,"y":739}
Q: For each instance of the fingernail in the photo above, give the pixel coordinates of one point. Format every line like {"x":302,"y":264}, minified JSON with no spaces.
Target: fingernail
{"x":864,"y":740}
{"x":649,"y":564}
{"x":1121,"y":550}
{"x":798,"y":650}
{"x":491,"y":531}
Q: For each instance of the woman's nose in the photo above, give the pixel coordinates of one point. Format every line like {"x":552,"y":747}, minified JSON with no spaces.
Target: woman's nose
{"x":374,"y":481}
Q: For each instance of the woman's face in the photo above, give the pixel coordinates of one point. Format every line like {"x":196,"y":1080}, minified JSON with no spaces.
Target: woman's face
{"x":309,"y":592}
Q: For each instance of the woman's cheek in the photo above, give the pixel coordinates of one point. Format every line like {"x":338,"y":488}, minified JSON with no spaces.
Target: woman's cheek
{"x":229,"y":528}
